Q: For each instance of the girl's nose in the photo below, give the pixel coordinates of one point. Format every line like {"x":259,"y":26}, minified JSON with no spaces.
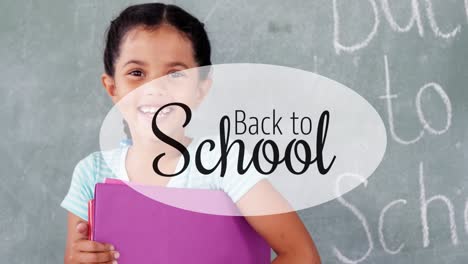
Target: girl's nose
{"x":156,"y":87}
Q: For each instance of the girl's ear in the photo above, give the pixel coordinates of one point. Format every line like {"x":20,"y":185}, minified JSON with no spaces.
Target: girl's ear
{"x":109,"y":84}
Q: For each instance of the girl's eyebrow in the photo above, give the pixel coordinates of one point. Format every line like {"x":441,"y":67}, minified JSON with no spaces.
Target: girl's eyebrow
{"x":170,"y":64}
{"x":176,"y":63}
{"x":139,"y":62}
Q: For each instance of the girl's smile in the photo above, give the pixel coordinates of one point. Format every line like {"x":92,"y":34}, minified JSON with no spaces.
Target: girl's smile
{"x":146,"y":113}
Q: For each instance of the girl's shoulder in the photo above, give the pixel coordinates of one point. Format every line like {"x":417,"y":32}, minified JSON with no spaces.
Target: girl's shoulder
{"x":92,"y":169}
{"x":99,"y":165}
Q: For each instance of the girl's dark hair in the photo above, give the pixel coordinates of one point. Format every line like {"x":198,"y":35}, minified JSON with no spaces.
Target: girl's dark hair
{"x":153,"y":15}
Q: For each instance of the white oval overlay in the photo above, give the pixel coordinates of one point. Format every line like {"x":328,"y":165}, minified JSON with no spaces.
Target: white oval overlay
{"x":355,"y":137}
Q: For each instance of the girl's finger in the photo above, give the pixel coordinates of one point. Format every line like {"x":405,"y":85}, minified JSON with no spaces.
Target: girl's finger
{"x":98,"y":257}
{"x":92,"y":246}
{"x":82,"y":228}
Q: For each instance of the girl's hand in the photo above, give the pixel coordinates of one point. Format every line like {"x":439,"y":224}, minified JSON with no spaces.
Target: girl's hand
{"x":81,"y":250}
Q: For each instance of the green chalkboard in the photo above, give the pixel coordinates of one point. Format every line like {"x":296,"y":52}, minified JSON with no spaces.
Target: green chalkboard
{"x":408,"y":58}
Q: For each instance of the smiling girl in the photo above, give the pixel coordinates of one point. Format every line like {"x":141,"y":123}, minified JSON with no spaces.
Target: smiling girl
{"x":149,"y":42}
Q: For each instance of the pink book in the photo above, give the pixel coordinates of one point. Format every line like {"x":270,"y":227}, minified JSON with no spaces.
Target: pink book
{"x":145,"y":230}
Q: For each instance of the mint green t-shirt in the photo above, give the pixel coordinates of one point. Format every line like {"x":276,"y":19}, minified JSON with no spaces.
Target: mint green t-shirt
{"x":98,"y":166}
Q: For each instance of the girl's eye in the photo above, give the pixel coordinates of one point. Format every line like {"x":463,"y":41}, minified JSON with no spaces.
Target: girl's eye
{"x":136,"y":73}
{"x":176,"y":74}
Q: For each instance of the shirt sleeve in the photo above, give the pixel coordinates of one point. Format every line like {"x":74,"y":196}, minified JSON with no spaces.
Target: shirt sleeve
{"x":236,"y":184}
{"x":81,"y":188}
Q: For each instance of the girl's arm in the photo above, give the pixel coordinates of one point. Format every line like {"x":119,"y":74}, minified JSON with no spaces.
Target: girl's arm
{"x":285,"y":232}
{"x":79,"y":249}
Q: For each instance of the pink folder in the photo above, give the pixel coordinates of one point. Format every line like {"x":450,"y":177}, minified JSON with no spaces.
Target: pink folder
{"x":144,"y":230}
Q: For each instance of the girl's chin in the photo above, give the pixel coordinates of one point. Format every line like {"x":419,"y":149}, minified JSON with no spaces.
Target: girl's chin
{"x":165,"y":123}
{"x":145,"y":132}
{"x":147,"y":139}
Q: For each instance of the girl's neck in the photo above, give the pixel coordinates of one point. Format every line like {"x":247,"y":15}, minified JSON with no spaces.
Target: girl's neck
{"x":145,"y":149}
{"x":140,"y":157}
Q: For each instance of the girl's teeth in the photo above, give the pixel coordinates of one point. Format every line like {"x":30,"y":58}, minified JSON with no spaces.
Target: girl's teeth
{"x":152,"y":110}
{"x":147,"y":109}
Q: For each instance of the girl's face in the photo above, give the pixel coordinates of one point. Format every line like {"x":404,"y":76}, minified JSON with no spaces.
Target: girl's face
{"x":156,"y":62}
